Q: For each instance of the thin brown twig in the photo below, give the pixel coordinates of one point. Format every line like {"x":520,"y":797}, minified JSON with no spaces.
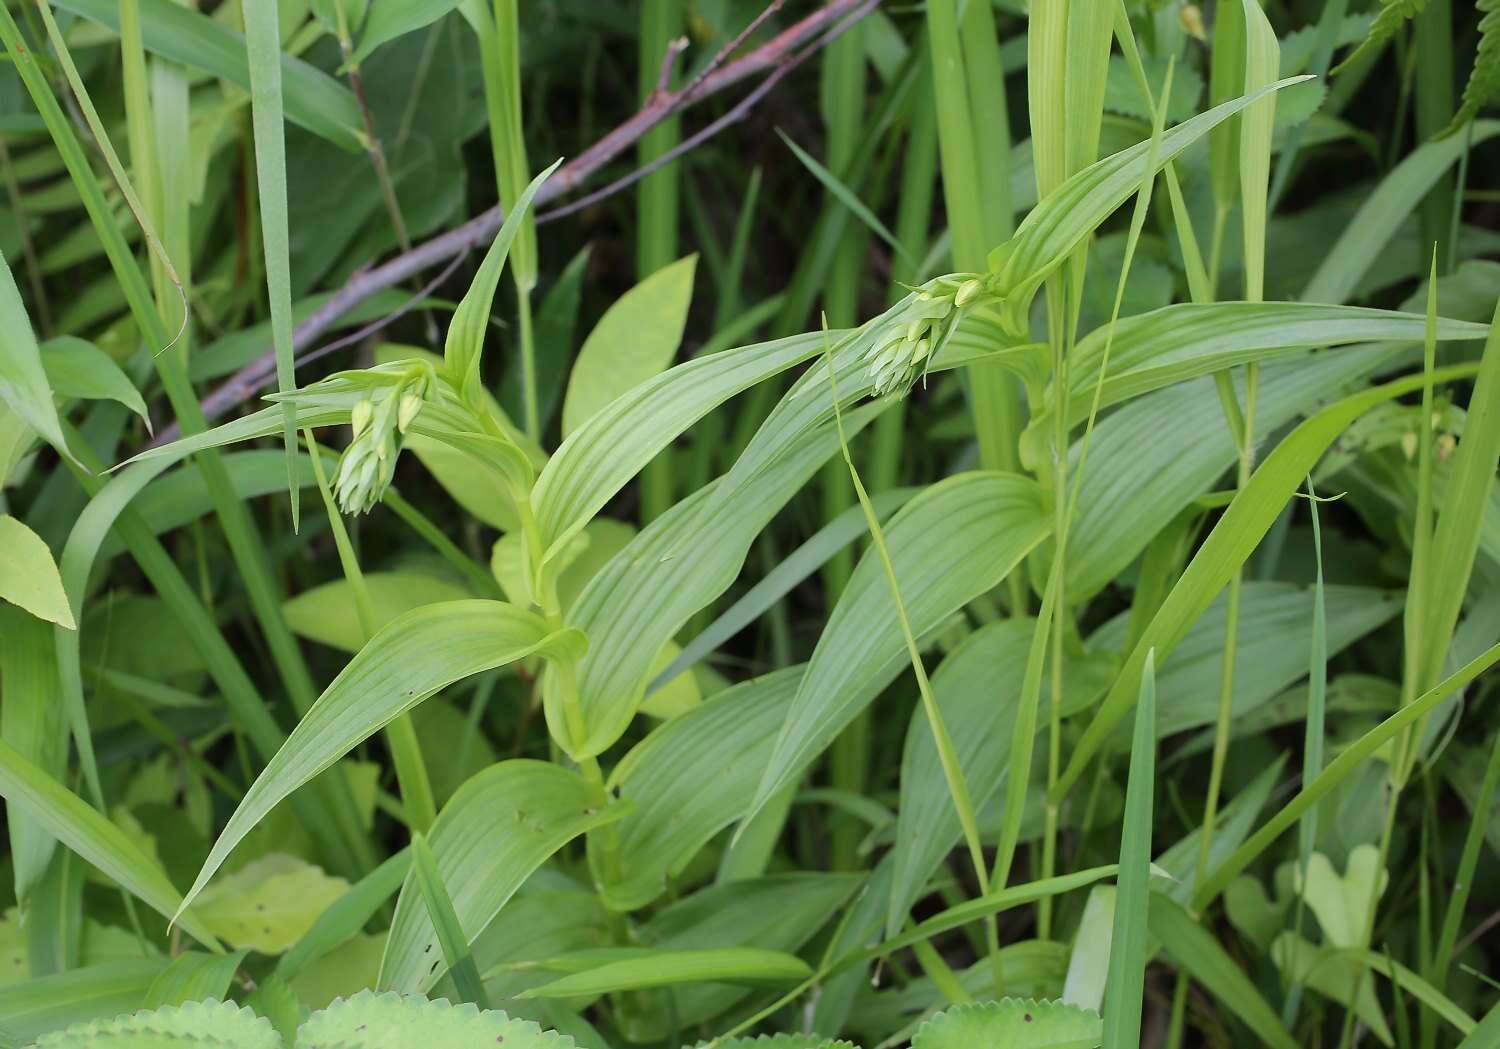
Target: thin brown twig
{"x":819,"y":26}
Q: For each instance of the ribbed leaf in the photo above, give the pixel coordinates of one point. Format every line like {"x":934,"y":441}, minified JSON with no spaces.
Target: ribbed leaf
{"x":977,"y":688}
{"x":494,"y":832}
{"x":603,"y":455}
{"x":950,"y":544}
{"x":1186,"y":340}
{"x":413,"y":657}
{"x":1068,"y":215}
{"x":1226,"y":548}
{"x":687,"y":557}
{"x":726,"y":742}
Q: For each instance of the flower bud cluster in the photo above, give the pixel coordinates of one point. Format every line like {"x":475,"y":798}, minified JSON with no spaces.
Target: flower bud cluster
{"x":379,"y":421}
{"x":918,"y":330}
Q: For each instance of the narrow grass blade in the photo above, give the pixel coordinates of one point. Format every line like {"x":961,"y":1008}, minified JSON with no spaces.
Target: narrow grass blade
{"x":450,"y":935}
{"x":747,"y":965}
{"x":87,"y":832}
{"x":1126,"y":982}
{"x":263,"y":53}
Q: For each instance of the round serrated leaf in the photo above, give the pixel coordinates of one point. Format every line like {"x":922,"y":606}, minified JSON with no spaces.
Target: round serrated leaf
{"x":1015,"y":1023}
{"x":393,"y":1021}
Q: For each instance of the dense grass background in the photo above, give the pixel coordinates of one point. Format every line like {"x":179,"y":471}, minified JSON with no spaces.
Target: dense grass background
{"x":698,"y":632}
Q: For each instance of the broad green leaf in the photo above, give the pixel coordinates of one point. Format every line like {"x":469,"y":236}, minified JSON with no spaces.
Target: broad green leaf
{"x":784,"y":1041}
{"x":777,"y":583}
{"x":87,"y":832}
{"x":268,"y":904}
{"x":1269,"y":656}
{"x":634,"y":341}
{"x":392,"y":1021}
{"x":725,"y":742}
{"x":977,"y":687}
{"x":633,"y":606}
{"x":742,"y":965}
{"x":28,"y":575}
{"x":1136,"y":483}
{"x":1088,"y":962}
{"x":1198,"y":953}
{"x":314,"y":100}
{"x":521,"y":812}
{"x":950,"y":544}
{"x":172,"y":1027}
{"x":192,"y":977}
{"x":1227,"y":547}
{"x":1186,"y":340}
{"x":388,"y":19}
{"x":597,"y":460}
{"x":1014,"y":1023}
{"x":1335,"y":975}
{"x":1126,"y":982}
{"x":326,"y":613}
{"x":414,"y":656}
{"x":76,"y":368}
{"x":23,"y":379}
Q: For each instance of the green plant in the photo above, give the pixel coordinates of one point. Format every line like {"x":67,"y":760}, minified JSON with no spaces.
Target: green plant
{"x":605,"y":732}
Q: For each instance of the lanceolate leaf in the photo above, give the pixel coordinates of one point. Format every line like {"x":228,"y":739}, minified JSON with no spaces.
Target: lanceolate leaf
{"x":494,"y":832}
{"x":977,"y":688}
{"x":603,"y":455}
{"x":417,"y":654}
{"x":681,"y":562}
{"x":725,"y":742}
{"x":1227,"y":547}
{"x":1179,"y":342}
{"x":23,"y":380}
{"x":954,"y":542}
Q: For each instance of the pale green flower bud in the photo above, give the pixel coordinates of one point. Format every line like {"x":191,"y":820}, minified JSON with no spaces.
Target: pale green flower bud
{"x":411,"y":405}
{"x":361,"y":416}
{"x":966,"y":292}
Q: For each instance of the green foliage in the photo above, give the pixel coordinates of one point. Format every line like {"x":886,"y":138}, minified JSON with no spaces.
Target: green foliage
{"x":584,"y":690}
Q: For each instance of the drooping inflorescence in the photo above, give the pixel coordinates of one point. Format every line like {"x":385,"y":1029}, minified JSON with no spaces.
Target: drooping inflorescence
{"x":919,"y":329}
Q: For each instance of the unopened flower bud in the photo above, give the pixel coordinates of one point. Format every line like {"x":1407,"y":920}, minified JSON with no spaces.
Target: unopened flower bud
{"x":411,"y":404}
{"x":966,"y":292}
{"x":360,"y":418}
